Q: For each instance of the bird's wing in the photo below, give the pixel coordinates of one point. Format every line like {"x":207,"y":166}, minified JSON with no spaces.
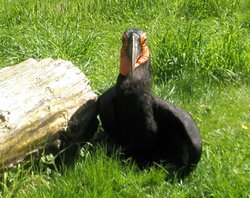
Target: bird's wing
{"x":105,"y":106}
{"x":178,"y":125}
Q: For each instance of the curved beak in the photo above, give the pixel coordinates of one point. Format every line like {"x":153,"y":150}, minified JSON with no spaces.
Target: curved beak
{"x":134,"y":49}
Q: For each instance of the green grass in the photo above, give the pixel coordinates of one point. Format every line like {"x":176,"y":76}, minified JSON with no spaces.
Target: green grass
{"x":200,"y":56}
{"x":222,"y":172}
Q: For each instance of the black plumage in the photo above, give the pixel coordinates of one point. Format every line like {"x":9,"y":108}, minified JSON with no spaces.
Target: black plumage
{"x":148,"y":128}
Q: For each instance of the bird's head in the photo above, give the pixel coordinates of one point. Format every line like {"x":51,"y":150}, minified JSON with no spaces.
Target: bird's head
{"x":134,"y":51}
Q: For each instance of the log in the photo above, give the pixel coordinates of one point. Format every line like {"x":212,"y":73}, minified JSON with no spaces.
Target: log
{"x":41,"y":102}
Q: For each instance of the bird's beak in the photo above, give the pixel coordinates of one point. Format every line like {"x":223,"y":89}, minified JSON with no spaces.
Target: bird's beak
{"x":134,"y":49}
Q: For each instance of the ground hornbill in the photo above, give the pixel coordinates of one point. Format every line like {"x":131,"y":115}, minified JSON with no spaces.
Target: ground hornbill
{"x":146,"y":127}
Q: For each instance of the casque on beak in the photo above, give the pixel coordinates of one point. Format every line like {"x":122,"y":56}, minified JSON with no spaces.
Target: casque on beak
{"x":134,"y":49}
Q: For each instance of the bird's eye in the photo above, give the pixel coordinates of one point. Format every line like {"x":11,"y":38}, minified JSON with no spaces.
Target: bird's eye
{"x":143,"y":39}
{"x":124,"y":41}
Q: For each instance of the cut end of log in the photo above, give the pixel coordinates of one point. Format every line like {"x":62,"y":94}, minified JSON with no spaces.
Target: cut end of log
{"x":39,"y":101}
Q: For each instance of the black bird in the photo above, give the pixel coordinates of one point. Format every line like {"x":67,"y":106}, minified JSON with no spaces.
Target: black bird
{"x":147,"y":128}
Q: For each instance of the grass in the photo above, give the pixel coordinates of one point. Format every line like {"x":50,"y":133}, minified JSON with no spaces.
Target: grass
{"x":200,"y":55}
{"x":222,"y":172}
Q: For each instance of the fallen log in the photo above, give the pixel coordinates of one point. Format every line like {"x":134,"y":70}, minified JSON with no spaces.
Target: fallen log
{"x":40,"y":102}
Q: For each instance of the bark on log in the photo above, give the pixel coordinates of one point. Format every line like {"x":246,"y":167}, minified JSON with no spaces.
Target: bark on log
{"x":39,"y":101}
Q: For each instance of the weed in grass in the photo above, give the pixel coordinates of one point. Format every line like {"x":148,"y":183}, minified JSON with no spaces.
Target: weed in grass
{"x":192,"y":47}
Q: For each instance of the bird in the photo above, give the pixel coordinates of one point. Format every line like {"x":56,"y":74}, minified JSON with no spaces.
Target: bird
{"x":148,"y":129}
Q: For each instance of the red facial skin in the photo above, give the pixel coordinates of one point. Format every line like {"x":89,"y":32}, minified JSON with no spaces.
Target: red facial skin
{"x":125,"y":62}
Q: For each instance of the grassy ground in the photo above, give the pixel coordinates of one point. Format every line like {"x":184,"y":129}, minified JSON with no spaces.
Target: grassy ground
{"x":200,"y":53}
{"x":222,"y":172}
